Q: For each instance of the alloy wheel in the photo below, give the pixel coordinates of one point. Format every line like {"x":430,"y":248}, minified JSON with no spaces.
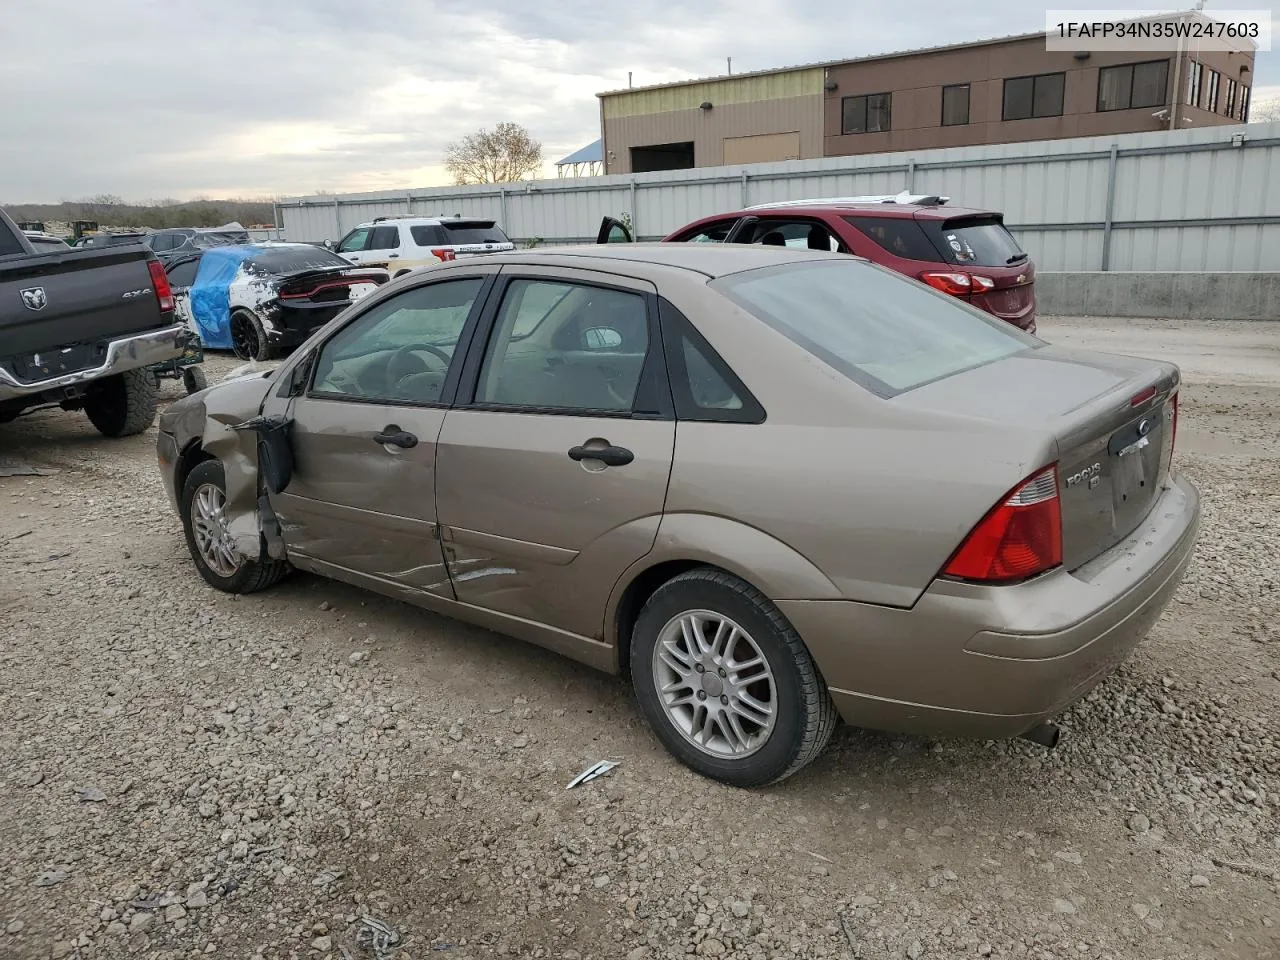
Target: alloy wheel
{"x":714,"y":684}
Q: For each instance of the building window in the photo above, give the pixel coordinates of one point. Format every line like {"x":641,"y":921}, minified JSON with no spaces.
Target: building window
{"x":1132,"y":85}
{"x":1211,"y":94}
{"x":1195,"y":74}
{"x":1244,"y":104}
{"x":1231,"y":97}
{"x":955,"y":105}
{"x":1027,"y":97}
{"x":865,"y":114}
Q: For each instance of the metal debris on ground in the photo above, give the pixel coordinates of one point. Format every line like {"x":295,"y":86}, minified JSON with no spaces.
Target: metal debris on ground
{"x":328,"y":877}
{"x":376,"y":936}
{"x":15,"y":468}
{"x":50,"y":877}
{"x":592,"y":772}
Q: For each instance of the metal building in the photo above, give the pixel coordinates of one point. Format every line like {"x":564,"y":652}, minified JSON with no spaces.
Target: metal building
{"x":1005,"y":90}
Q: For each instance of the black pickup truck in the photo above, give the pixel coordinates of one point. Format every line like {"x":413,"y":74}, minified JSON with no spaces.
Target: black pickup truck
{"x":81,"y":328}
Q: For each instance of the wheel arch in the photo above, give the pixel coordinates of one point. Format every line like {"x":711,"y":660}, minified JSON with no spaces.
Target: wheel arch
{"x":688,"y":541}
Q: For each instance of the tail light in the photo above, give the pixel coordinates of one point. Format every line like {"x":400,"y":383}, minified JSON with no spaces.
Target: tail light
{"x":1173,"y":424}
{"x":160,"y":283}
{"x":444,"y":255}
{"x":1020,"y":538}
{"x":958,"y":284}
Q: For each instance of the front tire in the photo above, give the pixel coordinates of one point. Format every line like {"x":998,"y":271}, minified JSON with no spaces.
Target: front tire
{"x":204,"y":498}
{"x":123,"y":404}
{"x":726,"y":683}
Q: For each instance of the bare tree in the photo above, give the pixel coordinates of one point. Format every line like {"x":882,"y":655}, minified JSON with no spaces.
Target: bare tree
{"x":1265,"y":112}
{"x":503,"y":155}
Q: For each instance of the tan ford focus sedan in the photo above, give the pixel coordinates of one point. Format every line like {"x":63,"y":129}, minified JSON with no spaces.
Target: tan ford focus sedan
{"x":775,"y":487}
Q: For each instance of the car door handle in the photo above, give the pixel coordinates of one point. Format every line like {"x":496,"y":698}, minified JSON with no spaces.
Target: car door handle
{"x":392,"y":256}
{"x":396,"y":437}
{"x":612,"y":456}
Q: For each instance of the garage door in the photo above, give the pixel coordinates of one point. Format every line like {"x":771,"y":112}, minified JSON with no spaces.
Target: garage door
{"x":763,"y":148}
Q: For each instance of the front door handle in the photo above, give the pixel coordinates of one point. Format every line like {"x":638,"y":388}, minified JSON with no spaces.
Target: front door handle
{"x":610,"y":455}
{"x":396,"y":437}
{"x":392,"y":256}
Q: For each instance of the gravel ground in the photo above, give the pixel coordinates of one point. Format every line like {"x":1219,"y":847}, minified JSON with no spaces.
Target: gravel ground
{"x":189,"y":774}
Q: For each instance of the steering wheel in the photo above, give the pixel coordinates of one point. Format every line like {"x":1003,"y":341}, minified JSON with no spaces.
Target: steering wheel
{"x":406,"y":361}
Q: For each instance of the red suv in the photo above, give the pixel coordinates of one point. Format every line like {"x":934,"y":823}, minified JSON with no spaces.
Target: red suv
{"x":964,"y":252}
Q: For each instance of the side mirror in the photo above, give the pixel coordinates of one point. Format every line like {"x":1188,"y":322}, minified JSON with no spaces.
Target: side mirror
{"x":328,"y":244}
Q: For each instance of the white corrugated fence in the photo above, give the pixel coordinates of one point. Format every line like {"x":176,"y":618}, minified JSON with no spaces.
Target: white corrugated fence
{"x":1192,"y":200}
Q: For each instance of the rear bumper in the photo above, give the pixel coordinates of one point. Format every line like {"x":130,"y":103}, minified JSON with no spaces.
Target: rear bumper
{"x":968,"y":660}
{"x":127,"y":353}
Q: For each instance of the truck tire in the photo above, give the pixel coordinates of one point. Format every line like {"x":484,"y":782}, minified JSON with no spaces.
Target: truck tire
{"x":248,"y":339}
{"x":124,"y":404}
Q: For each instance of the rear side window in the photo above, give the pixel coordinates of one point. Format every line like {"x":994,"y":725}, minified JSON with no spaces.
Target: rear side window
{"x":183,"y":274}
{"x":385,"y":238}
{"x":9,"y":244}
{"x":975,"y":241}
{"x":428,"y":236}
{"x":898,"y":236}
{"x":881,"y":331}
{"x":478,"y":231}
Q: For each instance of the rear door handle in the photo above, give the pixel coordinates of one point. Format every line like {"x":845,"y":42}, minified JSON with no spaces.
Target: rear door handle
{"x":612,"y":456}
{"x":396,"y":437}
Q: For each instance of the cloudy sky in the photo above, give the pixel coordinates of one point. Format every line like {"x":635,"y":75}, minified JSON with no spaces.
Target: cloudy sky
{"x":248,"y":98}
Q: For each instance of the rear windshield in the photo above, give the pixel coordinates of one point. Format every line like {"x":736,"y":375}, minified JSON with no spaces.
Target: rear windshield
{"x":882,"y":331}
{"x":478,"y":231}
{"x":975,"y":241}
{"x":207,"y":240}
{"x":292,"y":260}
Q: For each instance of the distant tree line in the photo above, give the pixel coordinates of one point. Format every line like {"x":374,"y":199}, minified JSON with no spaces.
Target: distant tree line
{"x":156,"y":214}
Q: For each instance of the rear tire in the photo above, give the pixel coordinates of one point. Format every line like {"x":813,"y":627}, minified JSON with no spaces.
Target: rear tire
{"x":679,"y":694}
{"x":203,"y":505}
{"x":248,"y":338}
{"x":123,"y":404}
{"x":194,"y":379}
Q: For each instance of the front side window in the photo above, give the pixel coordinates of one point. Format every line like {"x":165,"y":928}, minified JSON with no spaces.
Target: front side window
{"x":1131,"y":85}
{"x":868,"y":113}
{"x":356,"y":240}
{"x":711,"y":233}
{"x":584,"y":348}
{"x":955,"y":105}
{"x":401,"y":349}
{"x":1039,"y":96}
{"x":880,"y":330}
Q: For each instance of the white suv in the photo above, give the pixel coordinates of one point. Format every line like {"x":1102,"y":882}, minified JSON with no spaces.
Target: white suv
{"x":401,"y":244}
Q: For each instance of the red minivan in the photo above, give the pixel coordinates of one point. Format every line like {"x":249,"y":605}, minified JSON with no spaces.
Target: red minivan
{"x":965,"y":252}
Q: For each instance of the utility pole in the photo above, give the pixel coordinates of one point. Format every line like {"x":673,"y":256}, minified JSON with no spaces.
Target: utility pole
{"x":730,"y":59}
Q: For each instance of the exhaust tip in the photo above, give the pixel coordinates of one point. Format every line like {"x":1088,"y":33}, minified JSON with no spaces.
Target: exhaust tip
{"x":1045,"y":734}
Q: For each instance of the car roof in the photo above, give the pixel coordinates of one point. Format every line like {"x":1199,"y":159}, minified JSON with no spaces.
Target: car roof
{"x":870,"y":208}
{"x":421,"y":221}
{"x":709,"y":259}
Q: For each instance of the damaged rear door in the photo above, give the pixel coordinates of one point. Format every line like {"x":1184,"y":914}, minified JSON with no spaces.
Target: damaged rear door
{"x":360,"y":504}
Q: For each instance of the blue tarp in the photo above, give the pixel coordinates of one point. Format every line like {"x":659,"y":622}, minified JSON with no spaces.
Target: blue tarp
{"x":210,"y":294}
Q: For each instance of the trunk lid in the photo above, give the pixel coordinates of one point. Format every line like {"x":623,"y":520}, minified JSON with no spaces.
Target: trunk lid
{"x":1111,"y":421}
